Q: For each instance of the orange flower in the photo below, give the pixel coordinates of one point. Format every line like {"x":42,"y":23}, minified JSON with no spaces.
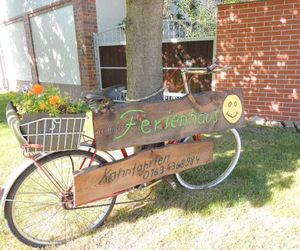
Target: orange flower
{"x":37,"y":89}
{"x":53,"y":99}
{"x":43,"y":106}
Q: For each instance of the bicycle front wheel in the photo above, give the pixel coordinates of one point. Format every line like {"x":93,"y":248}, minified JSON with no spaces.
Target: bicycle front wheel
{"x":227,"y":149}
{"x":39,"y":215}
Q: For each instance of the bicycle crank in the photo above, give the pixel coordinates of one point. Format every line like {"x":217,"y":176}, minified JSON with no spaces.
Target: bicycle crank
{"x":142,"y":191}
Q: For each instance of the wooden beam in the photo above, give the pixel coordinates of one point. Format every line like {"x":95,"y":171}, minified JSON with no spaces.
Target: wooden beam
{"x":146,"y":123}
{"x":30,"y":47}
{"x":96,"y":182}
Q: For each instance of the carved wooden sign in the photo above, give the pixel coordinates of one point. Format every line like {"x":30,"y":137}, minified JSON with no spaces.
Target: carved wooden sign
{"x":96,"y":182}
{"x":145,"y":123}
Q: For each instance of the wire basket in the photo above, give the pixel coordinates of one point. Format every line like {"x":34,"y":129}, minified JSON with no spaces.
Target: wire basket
{"x":53,"y":133}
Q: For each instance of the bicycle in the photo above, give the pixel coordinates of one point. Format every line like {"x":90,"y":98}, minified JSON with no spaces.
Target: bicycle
{"x":39,"y":203}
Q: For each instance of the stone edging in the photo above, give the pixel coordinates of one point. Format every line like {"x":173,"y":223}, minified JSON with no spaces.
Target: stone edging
{"x":257,"y":120}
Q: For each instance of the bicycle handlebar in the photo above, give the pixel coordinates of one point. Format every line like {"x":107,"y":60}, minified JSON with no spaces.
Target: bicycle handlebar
{"x":206,"y":71}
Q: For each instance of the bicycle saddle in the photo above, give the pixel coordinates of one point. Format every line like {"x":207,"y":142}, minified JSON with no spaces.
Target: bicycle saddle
{"x":109,"y":93}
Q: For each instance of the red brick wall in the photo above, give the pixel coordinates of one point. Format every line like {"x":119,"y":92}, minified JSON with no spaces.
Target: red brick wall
{"x":261,"y":40}
{"x":86,"y":25}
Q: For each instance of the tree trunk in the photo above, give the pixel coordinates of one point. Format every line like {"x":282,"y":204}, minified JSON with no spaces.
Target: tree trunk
{"x":144,"y":47}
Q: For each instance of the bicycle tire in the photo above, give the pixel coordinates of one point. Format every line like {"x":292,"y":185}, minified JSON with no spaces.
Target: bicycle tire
{"x":223,"y":164}
{"x":41,"y":219}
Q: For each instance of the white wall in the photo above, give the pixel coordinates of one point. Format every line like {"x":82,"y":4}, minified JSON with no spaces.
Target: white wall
{"x":110,"y":13}
{"x":3,"y":83}
{"x":15,"y":53}
{"x":54,"y":41}
{"x":55,"y":46}
{"x":12,"y":8}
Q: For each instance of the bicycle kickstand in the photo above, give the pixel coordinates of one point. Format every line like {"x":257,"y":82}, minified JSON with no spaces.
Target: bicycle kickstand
{"x":170,"y":180}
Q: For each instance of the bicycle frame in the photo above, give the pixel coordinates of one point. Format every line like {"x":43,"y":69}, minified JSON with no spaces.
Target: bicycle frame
{"x":124,"y":152}
{"x":184,"y":70}
{"x":197,"y":137}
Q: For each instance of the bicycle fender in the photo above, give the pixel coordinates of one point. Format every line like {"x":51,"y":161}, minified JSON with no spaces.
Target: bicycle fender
{"x":12,"y":178}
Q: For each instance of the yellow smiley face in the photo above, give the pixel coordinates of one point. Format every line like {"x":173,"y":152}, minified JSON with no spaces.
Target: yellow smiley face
{"x":232,"y":108}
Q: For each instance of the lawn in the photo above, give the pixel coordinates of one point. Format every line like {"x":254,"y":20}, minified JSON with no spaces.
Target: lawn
{"x":257,"y":207}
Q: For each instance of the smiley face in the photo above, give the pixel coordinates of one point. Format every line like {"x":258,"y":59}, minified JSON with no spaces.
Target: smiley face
{"x":232,"y":108}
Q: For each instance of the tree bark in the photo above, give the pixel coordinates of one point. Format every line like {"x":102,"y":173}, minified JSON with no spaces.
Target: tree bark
{"x":144,"y":47}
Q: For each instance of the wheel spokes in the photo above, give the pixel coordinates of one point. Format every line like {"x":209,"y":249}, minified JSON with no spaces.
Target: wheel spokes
{"x":44,"y":215}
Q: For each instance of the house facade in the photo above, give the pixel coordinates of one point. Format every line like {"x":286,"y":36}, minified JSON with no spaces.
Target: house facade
{"x":48,"y":41}
{"x":53,"y":42}
{"x":70,"y":43}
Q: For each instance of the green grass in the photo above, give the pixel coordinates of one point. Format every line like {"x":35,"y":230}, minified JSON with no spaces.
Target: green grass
{"x":11,"y":155}
{"x":257,"y":207}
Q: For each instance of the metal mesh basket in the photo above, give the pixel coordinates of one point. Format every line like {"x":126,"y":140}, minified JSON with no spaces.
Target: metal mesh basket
{"x":53,"y":133}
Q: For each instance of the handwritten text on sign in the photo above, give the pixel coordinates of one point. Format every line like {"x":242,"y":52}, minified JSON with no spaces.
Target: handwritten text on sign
{"x":96,"y":182}
{"x":145,"y":123}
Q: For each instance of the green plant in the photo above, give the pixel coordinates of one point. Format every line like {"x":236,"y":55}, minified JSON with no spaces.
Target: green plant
{"x":50,"y":100}
{"x":200,"y":14}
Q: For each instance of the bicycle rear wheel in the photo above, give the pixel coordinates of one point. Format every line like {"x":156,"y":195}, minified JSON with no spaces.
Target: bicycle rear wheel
{"x":227,"y":148}
{"x":39,"y":215}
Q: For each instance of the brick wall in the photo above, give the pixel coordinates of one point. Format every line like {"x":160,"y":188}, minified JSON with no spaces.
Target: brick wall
{"x":86,"y":25}
{"x":261,"y":40}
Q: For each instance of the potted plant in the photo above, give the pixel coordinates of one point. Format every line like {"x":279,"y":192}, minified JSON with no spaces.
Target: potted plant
{"x":47,"y":120}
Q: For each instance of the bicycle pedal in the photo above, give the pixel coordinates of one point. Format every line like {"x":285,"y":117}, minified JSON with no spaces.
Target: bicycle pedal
{"x":139,"y":192}
{"x":170,"y":180}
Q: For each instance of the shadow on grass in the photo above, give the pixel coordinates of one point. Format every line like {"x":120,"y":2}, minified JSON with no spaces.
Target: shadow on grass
{"x":269,"y":158}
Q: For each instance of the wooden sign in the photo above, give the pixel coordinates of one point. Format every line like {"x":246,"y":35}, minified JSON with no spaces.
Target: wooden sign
{"x":146,"y":123}
{"x":96,"y":182}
